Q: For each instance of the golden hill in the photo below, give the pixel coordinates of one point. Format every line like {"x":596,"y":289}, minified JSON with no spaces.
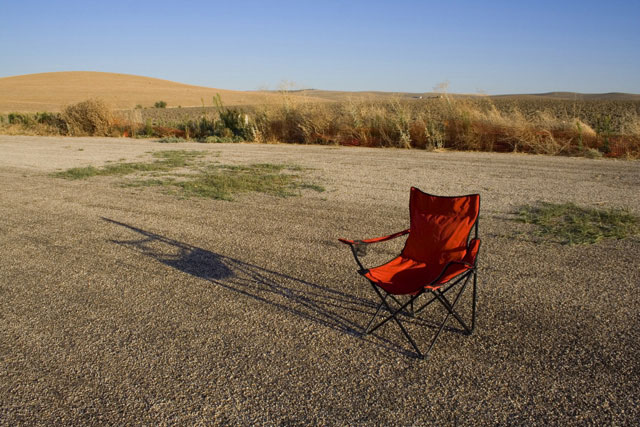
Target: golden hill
{"x":52,"y":91}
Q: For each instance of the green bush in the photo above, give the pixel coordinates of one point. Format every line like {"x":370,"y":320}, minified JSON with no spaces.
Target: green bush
{"x":148,"y":128}
{"x":160,"y":104}
{"x":231,"y":125}
{"x":236,"y":122}
{"x":21,"y":119}
{"x":51,"y":119}
{"x":221,"y":139}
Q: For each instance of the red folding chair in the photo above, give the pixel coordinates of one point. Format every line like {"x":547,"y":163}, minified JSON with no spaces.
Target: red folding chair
{"x":437,"y":256}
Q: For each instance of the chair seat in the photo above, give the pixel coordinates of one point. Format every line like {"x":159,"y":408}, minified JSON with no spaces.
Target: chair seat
{"x":403,"y":275}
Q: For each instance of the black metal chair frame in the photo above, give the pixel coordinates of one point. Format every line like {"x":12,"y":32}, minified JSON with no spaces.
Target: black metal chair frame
{"x":358,"y":248}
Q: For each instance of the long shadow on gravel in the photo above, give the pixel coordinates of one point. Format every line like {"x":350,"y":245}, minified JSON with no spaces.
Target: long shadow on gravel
{"x":325,"y":306}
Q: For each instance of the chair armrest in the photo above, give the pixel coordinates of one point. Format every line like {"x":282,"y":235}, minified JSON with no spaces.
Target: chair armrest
{"x":472,"y":252}
{"x":375,"y":239}
{"x":469,"y":259}
{"x":359,"y":248}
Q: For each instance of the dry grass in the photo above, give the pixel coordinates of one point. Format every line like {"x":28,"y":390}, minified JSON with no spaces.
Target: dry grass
{"x":477,"y":124}
{"x":446,"y":122}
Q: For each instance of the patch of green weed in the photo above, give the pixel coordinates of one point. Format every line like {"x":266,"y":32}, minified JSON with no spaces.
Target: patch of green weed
{"x":222,"y":182}
{"x":571,"y":224}
{"x":167,"y":160}
{"x":153,"y":182}
{"x":78,"y":173}
{"x":314,"y":187}
{"x":211,"y":181}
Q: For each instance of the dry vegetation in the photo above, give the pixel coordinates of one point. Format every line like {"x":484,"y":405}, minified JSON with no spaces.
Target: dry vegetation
{"x":543,"y":126}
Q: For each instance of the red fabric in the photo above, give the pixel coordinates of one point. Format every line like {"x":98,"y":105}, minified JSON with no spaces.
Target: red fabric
{"x":406,"y":276}
{"x":440,"y":227}
{"x":376,"y":239}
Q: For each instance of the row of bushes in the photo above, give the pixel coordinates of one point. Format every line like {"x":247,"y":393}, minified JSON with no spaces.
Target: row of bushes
{"x":94,"y":118}
{"x":87,"y":118}
{"x":455,"y":124}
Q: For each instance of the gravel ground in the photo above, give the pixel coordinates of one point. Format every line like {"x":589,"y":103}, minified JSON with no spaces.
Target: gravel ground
{"x":133,"y":306}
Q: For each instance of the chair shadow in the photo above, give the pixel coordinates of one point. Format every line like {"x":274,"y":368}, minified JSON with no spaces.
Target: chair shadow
{"x":323,"y":305}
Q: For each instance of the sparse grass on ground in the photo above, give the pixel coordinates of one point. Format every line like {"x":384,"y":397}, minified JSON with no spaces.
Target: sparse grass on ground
{"x":166,"y":161}
{"x":222,"y":182}
{"x":572,"y":224}
{"x":213,"y":181}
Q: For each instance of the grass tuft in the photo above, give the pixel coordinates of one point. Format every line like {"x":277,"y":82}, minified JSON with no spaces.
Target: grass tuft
{"x":571,"y":224}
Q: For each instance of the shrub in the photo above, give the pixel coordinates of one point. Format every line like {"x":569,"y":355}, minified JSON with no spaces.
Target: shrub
{"x":91,"y":117}
{"x":160,"y":104}
{"x":22,"y":119}
{"x":221,"y":139}
{"x":232,"y":119}
{"x":148,"y":128}
{"x":236,"y":122}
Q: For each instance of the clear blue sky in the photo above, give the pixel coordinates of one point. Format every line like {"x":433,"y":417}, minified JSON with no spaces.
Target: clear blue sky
{"x":478,"y":46}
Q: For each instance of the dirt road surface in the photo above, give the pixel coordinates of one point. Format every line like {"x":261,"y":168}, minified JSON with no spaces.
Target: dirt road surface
{"x":134,"y":306}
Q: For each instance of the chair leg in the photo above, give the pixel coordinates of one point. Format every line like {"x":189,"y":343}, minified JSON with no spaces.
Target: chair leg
{"x":443,"y":299}
{"x":366,"y":330}
{"x":473,"y":307}
{"x":394,"y":317}
{"x":450,"y":312}
{"x":437,"y":295}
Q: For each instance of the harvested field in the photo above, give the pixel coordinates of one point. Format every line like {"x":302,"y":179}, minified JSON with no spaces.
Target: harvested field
{"x":53,"y":91}
{"x":124,"y":305}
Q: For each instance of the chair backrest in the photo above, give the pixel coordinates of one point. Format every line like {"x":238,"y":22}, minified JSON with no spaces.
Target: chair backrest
{"x":440,"y":226}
